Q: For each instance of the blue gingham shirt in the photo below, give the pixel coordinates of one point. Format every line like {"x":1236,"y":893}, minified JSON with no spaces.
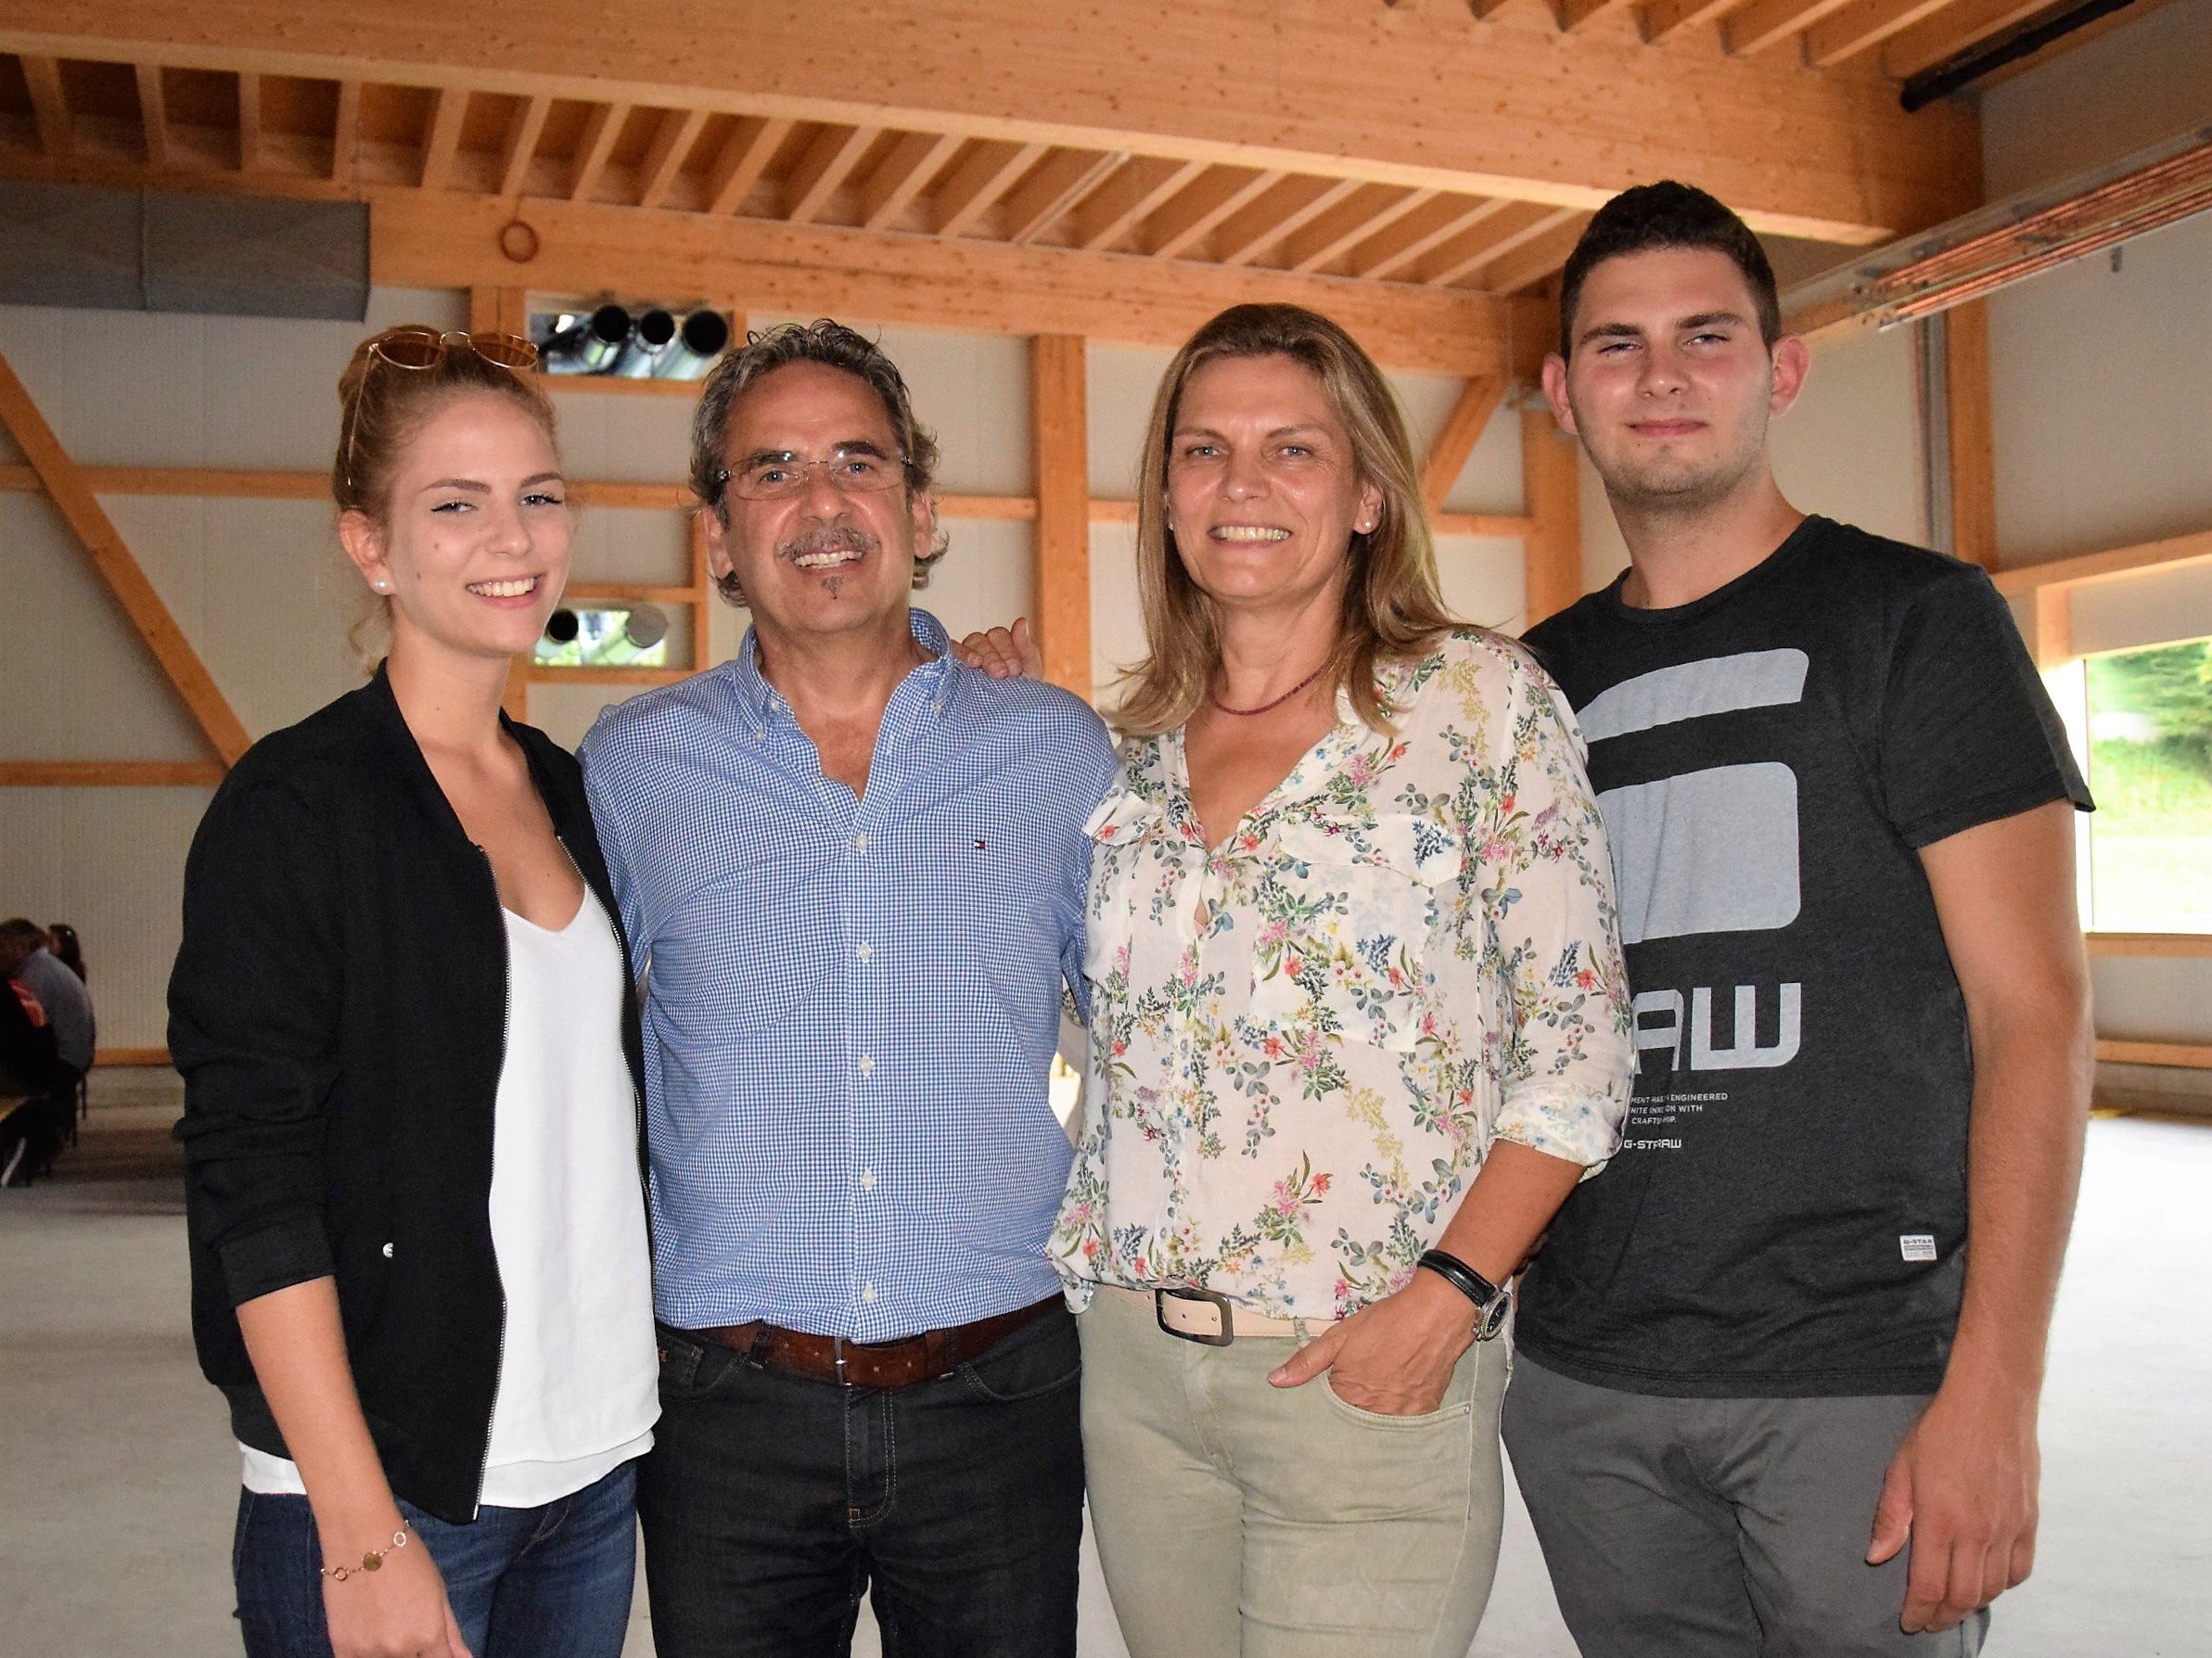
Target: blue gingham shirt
{"x":851,"y":1006}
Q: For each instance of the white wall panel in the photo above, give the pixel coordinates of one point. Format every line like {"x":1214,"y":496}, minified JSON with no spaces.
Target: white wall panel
{"x":566,"y":712}
{"x":1121,"y":382}
{"x":1116,"y":618}
{"x":76,"y":681}
{"x":1482,"y":581}
{"x":621,"y":544}
{"x":632,"y":439}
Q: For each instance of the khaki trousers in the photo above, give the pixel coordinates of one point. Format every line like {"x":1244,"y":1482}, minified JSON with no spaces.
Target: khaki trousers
{"x":1236,"y":1520}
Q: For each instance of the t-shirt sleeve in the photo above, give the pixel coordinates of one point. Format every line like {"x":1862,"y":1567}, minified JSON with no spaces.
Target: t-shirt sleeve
{"x":1968,"y":734}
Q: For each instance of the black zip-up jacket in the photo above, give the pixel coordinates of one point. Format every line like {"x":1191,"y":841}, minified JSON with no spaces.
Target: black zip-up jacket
{"x":338,"y":1013}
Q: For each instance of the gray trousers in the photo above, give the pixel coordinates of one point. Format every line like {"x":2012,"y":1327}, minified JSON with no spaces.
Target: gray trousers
{"x":1725,"y":1529}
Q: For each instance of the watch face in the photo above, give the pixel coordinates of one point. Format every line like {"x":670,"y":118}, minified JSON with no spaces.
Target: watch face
{"x":1492,"y":1318}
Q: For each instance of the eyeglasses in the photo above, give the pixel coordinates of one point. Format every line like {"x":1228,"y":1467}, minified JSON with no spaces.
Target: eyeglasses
{"x":416,"y":347}
{"x":780,"y":477}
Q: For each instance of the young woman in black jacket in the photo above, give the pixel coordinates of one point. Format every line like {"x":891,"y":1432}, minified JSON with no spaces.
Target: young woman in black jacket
{"x":405,"y":1015}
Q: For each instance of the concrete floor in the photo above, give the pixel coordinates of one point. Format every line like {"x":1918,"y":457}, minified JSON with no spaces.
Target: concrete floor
{"x":118,"y":1479}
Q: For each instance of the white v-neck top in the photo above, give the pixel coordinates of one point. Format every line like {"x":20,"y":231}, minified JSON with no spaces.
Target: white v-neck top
{"x":578,"y":1375}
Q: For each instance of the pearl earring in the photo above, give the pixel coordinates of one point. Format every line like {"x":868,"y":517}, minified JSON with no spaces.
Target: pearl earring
{"x":381,"y":586}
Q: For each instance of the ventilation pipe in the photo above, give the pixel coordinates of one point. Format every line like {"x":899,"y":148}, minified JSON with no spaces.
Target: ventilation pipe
{"x":704,"y":336}
{"x":655,"y":331}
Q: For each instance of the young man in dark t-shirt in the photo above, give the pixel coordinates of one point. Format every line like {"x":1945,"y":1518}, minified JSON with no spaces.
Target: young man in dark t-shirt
{"x":1782,"y":1359}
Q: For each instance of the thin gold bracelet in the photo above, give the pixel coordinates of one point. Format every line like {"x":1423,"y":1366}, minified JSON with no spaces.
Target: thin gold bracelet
{"x":370,"y":1562}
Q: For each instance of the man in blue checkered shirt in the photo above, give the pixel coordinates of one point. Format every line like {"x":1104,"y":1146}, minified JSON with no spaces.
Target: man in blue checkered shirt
{"x":852,"y":873}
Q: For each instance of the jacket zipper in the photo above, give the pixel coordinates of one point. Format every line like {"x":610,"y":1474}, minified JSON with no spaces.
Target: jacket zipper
{"x":506,"y":1010}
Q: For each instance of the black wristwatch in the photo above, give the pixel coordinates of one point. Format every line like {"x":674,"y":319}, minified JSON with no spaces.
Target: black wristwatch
{"x":1491,"y":1303}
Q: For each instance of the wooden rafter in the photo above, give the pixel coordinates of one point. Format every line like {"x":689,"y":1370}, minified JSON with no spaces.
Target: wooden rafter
{"x":1187,"y":220}
{"x":1663,"y":20}
{"x":1051,"y":192}
{"x":824,"y":166}
{"x":601,"y":128}
{"x":1862,"y":25}
{"x":1367,"y":212}
{"x":1128,"y":197}
{"x":49,"y":105}
{"x":1972,"y":434}
{"x":1574,"y":13}
{"x":672,"y":139}
{"x":249,"y":123}
{"x":112,"y":562}
{"x":153,"y":115}
{"x":345,"y":131}
{"x":521,"y":145}
{"x":1403,"y":245}
{"x":1534,"y":259}
{"x":971,"y":188}
{"x":1944,"y":34}
{"x":1281,"y":212}
{"x":1495,"y":237}
{"x":1455,"y":440}
{"x":745,"y":156}
{"x":443,"y":138}
{"x":1858,"y":170}
{"x":1766,"y":23}
{"x":902,"y":175}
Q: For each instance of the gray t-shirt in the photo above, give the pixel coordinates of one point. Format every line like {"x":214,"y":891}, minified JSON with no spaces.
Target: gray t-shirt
{"x":1787,"y":1214}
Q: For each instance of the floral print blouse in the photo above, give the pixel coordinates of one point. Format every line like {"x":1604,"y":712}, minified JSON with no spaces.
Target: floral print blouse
{"x":1304,"y":1041}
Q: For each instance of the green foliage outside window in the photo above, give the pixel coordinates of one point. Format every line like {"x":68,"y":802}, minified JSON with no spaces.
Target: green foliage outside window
{"x":2150,"y":770}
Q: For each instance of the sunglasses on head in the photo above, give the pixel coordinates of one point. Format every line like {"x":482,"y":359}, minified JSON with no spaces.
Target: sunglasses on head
{"x":419,"y":347}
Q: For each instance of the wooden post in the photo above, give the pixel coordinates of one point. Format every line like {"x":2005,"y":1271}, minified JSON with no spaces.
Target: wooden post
{"x":1973,"y":455}
{"x":2050,"y":633}
{"x":112,"y":561}
{"x":1061,"y":556}
{"x":499,"y":310}
{"x":1552,"y":555}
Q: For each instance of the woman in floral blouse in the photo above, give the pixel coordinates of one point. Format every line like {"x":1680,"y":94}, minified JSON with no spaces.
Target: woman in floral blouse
{"x":1356,"y":997}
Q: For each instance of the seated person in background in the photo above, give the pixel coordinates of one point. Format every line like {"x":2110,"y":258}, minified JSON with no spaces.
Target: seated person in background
{"x":66,"y":948}
{"x":31,"y":1070}
{"x":61,"y":991}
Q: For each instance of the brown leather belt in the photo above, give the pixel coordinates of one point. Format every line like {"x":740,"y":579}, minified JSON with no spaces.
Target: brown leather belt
{"x":922,"y":1357}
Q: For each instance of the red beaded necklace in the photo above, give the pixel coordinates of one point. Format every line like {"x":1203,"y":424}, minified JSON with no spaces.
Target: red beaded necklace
{"x":1265,"y":707}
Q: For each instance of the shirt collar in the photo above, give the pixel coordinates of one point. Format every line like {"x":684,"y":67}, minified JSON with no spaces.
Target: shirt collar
{"x":762,"y":707}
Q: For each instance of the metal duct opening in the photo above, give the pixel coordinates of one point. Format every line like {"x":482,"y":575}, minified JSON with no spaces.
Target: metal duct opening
{"x":165,"y":251}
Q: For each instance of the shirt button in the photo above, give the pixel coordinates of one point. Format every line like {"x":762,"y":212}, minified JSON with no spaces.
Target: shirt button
{"x":868,"y":1292}
{"x":867,"y":1066}
{"x":864,"y":953}
{"x":860,"y":843}
{"x":867,"y":1181}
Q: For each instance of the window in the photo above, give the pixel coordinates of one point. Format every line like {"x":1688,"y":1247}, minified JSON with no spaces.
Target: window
{"x":604,"y":636}
{"x":2149,"y":754}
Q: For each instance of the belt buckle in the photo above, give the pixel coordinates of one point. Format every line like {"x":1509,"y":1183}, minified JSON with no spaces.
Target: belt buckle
{"x":1227,"y":1333}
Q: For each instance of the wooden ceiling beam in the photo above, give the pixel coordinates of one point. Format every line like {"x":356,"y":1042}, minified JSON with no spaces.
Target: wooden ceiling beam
{"x":1455,"y":440}
{"x":1131,"y":195}
{"x":1185,"y":221}
{"x":1945,"y":33}
{"x":442,"y":141}
{"x":825,"y":164}
{"x":153,"y":114}
{"x":522,"y":145}
{"x":1501,"y":111}
{"x":1366,"y":213}
{"x":49,"y":105}
{"x":903,"y":174}
{"x":345,"y":132}
{"x":745,"y":156}
{"x":1766,"y":23}
{"x":1380,"y":258}
{"x":417,"y":240}
{"x":593,"y":144}
{"x":973,"y":187}
{"x":1862,"y":25}
{"x":1054,"y":190}
{"x":672,"y":139}
{"x":1287,"y":207}
{"x":1573,"y":14}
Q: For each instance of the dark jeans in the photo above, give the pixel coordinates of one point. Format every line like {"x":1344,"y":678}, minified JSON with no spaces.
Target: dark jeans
{"x":773,"y":1502}
{"x":551,"y":1582}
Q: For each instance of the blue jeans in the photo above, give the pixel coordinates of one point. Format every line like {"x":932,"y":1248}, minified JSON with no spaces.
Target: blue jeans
{"x":772,"y":1502}
{"x":551,"y":1582}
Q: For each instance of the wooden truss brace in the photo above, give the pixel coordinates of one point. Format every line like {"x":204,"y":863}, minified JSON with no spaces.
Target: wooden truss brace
{"x":65,"y":483}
